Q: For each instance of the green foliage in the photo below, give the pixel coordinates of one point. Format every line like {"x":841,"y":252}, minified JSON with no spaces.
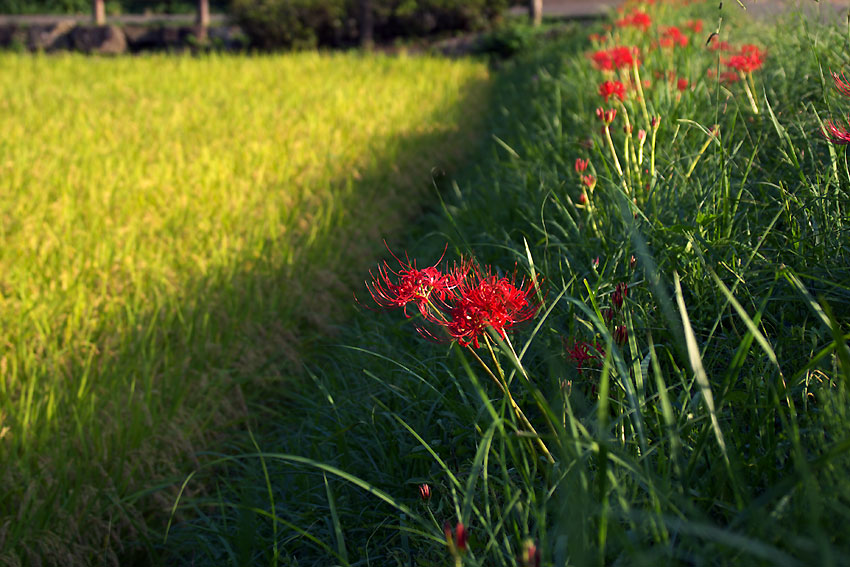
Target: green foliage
{"x":289,"y":23}
{"x":300,"y":23}
{"x":716,"y":433}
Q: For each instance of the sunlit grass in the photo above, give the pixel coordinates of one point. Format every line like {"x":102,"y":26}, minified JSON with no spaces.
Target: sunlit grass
{"x":167,"y":226}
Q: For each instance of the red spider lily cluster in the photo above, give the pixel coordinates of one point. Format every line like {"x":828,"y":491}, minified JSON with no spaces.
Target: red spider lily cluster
{"x":750,"y":58}
{"x":586,"y":354}
{"x":619,"y":57}
{"x":672,"y":37}
{"x":635,"y":19}
{"x":612,"y":88}
{"x":836,"y":134}
{"x":465,"y":300}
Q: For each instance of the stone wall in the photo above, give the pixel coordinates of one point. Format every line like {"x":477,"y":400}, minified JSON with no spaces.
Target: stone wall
{"x":116,"y":39}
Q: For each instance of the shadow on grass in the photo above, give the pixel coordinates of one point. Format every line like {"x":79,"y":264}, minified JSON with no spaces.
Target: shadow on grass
{"x":231,"y":525}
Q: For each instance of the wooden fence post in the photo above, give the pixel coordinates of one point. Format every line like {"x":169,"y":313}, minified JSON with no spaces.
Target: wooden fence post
{"x":367,"y":24}
{"x":203,"y":19}
{"x":99,"y":9}
{"x":535,"y":11}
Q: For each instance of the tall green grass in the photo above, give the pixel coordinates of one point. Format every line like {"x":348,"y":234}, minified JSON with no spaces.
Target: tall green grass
{"x":716,"y":434}
{"x":170,"y":226}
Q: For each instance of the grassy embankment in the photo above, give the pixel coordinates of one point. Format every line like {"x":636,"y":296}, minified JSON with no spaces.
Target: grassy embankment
{"x":711,"y":425}
{"x":169,"y":226}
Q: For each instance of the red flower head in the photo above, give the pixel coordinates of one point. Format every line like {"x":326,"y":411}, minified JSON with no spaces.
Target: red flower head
{"x":835,"y":134}
{"x":841,"y":84}
{"x":636,"y":19}
{"x":671,"y":37}
{"x":694,"y":25}
{"x":624,"y":56}
{"x":729,"y":77}
{"x":392,"y":289}
{"x":715,"y":44}
{"x":583,"y":354}
{"x":424,"y":492}
{"x":750,"y":58}
{"x":602,"y":60}
{"x":581,"y":165}
{"x":589,"y":181}
{"x":682,"y":84}
{"x":615,"y":88}
{"x":487,"y":300}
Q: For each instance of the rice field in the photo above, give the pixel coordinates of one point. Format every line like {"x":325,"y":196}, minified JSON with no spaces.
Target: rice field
{"x":169,"y":226}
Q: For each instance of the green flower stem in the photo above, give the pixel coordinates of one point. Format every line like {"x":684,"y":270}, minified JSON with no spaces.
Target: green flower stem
{"x":744,"y":79}
{"x":517,"y":411}
{"x":639,"y":87}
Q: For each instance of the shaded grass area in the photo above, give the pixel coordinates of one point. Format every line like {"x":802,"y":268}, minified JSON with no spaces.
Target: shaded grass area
{"x":715,"y":433}
{"x":170,"y":226}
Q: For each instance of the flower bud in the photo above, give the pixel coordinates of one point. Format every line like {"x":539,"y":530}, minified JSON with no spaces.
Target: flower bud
{"x":425,"y":492}
{"x":530,"y":554}
{"x":621,"y":334}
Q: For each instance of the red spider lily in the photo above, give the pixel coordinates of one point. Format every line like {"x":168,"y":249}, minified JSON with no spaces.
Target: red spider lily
{"x":589,"y":181}
{"x":602,"y":60}
{"x":392,"y":289}
{"x":615,"y":58}
{"x":682,"y":84}
{"x":612,"y":88}
{"x":716,"y":45}
{"x":671,"y":37}
{"x":620,"y":293}
{"x":606,"y":116}
{"x":425,"y":492}
{"x":729,"y":77}
{"x":841,"y":84}
{"x":487,"y":300}
{"x":835,"y":134}
{"x":750,"y":58}
{"x":694,"y":25}
{"x":636,"y":19}
{"x":624,"y":56}
{"x":581,"y":165}
{"x":583,"y":353}
{"x":582,"y":199}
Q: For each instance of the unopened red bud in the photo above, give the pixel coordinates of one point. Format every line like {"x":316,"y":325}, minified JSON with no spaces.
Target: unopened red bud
{"x":641,"y":134}
{"x":530,"y":554}
{"x":621,"y":334}
{"x":425,"y":492}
